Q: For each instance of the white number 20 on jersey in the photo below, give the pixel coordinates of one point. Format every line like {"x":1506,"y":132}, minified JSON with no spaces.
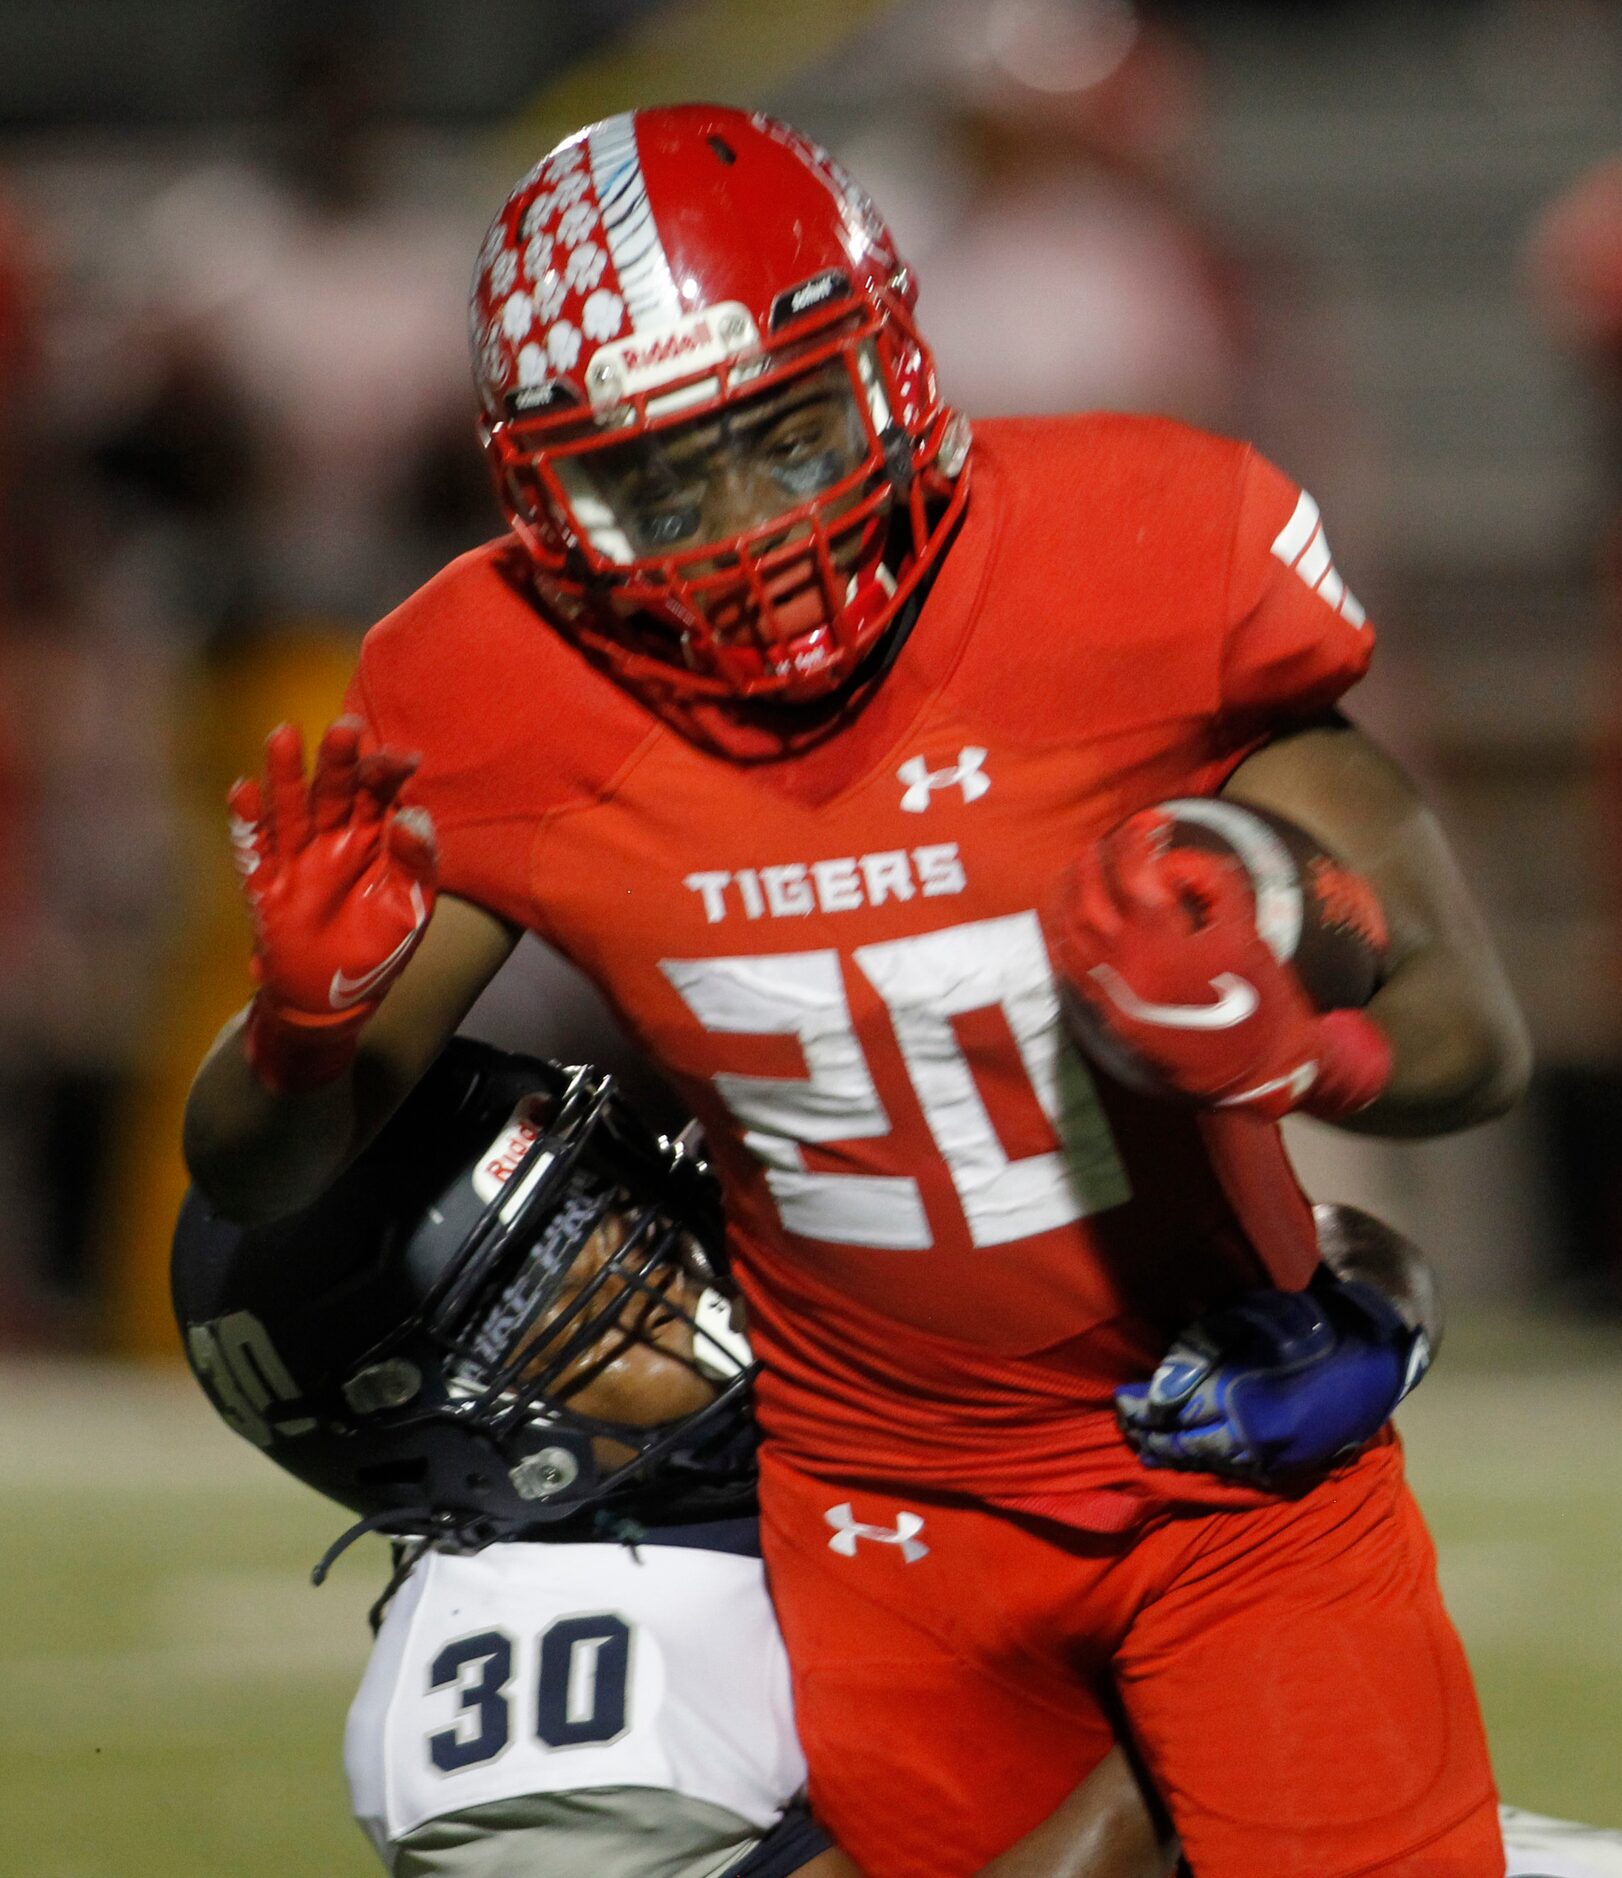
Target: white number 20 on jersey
{"x":925,"y":982}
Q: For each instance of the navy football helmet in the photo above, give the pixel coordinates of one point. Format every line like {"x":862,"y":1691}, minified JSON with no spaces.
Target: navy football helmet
{"x":409,"y":1344}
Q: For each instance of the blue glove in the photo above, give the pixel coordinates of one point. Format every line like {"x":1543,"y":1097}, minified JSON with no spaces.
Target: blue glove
{"x":1278,"y":1384}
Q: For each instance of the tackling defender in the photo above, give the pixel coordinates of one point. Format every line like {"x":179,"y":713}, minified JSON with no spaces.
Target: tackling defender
{"x":505,"y":1332}
{"x":510,"y":1321}
{"x":781,"y":710}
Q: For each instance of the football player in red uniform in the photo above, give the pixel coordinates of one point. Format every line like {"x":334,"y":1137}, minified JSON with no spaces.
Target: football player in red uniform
{"x":781,"y":710}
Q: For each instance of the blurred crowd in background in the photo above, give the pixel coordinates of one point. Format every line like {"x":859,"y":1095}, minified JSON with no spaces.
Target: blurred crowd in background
{"x":1383,"y":242}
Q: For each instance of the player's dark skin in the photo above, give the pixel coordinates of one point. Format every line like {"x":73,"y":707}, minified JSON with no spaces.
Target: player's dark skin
{"x":708,"y":481}
{"x":1460,"y":1057}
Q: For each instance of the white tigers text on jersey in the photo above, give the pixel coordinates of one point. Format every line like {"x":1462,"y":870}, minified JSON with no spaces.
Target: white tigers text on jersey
{"x":529,"y":1669}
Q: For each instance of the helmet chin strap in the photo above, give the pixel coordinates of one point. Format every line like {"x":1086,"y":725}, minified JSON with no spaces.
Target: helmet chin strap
{"x":888,"y":649}
{"x":720,"y":1350}
{"x":868,"y":590}
{"x":866,"y":593}
{"x":897,"y":449}
{"x":418,"y":1517}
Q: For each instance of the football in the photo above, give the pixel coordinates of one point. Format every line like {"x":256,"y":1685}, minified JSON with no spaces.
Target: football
{"x":1315,"y":913}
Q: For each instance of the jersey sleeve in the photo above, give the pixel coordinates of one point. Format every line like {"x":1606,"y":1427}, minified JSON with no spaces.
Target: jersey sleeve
{"x":477,"y":838}
{"x":1296,"y":637}
{"x":358,"y":704}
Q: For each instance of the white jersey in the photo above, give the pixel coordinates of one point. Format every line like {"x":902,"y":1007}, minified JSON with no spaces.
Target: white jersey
{"x":529,"y":1669}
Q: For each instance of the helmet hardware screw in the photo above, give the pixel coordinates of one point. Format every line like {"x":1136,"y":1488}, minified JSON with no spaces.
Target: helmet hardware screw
{"x":544,"y":1473}
{"x":603,"y":382}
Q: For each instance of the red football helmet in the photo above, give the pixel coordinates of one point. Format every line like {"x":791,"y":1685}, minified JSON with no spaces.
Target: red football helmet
{"x":710,"y":417}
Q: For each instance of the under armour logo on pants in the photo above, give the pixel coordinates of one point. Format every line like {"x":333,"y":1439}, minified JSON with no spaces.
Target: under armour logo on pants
{"x":848,"y":1529}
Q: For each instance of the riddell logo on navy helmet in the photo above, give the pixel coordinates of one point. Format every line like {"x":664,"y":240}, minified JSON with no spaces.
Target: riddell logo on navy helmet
{"x":501,"y":1160}
{"x":817,"y":291}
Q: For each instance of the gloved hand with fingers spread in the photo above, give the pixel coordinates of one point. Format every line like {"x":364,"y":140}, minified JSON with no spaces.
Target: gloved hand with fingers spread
{"x":340,"y":883}
{"x":1168,"y":985}
{"x":1279,"y":1383}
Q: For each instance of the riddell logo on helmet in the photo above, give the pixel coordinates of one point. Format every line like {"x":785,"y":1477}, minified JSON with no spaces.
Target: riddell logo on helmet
{"x":667,"y":350}
{"x":500,"y":1162}
{"x":646,"y":360}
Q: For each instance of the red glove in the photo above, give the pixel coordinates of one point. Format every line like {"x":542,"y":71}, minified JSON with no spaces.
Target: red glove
{"x":1169,"y":986}
{"x":340,"y":885}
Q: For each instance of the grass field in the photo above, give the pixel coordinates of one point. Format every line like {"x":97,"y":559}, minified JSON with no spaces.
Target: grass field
{"x":175,"y":1690}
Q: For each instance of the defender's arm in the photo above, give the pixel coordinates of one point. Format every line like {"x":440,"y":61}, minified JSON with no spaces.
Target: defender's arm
{"x":259,"y":1155}
{"x":1107,"y":1828}
{"x":1281,"y":1384}
{"x":361,"y":982}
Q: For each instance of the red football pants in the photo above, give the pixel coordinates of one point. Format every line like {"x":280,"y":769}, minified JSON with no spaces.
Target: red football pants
{"x":1288,"y":1673}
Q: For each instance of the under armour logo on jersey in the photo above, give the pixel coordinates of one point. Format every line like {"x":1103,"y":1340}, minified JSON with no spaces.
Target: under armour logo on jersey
{"x":968,"y":773}
{"x":1300,"y":545}
{"x":848,"y":1529}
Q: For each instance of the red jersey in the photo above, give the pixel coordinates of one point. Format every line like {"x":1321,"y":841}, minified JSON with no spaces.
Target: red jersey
{"x":956,"y":1238}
